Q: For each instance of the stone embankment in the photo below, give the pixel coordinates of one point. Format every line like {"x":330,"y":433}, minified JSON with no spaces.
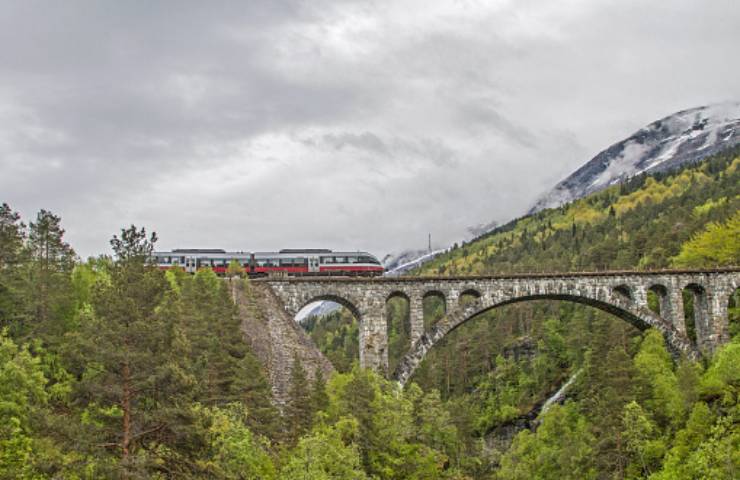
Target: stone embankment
{"x":275,"y":337}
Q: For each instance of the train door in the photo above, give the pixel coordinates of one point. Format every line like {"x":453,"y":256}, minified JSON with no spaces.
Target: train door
{"x":191,"y":264}
{"x":313,"y":264}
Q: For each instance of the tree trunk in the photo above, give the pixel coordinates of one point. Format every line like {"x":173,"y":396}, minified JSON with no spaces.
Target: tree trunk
{"x":126,"y":406}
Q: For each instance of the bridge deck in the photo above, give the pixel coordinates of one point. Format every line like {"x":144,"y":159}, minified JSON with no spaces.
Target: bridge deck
{"x":506,"y":276}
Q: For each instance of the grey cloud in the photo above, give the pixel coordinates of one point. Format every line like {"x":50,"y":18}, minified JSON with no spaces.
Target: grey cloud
{"x":341,"y":124}
{"x":364,"y":141}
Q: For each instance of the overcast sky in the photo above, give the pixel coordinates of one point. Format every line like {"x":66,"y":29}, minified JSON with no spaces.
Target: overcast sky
{"x":347,"y":125}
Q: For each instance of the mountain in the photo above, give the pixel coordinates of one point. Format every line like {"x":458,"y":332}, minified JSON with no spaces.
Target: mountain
{"x":683,"y":138}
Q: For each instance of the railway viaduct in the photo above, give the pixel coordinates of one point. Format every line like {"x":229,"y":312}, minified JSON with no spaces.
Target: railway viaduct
{"x":623,"y":294}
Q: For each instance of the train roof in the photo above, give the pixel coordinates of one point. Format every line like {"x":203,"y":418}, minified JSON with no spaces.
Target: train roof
{"x":198,"y":250}
{"x":220,"y":253}
{"x":305,"y":250}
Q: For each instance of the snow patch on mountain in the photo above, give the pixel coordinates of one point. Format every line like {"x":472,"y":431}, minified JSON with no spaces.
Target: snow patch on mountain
{"x":397,"y":265}
{"x":685,"y":137}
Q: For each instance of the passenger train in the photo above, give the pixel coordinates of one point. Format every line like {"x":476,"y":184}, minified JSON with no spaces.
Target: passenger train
{"x":257,"y":264}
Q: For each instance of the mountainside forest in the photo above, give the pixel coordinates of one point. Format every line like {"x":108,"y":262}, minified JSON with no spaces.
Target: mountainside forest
{"x":632,"y":411}
{"x":111,"y":368}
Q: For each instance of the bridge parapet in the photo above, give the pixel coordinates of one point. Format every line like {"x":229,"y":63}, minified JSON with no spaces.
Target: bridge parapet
{"x":625,"y":294}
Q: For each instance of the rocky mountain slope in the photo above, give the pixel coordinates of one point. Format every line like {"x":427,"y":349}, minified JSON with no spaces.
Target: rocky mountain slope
{"x":685,"y":137}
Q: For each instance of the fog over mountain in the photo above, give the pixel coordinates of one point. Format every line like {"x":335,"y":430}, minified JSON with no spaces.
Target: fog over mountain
{"x":684,"y":137}
{"x":347,"y":125}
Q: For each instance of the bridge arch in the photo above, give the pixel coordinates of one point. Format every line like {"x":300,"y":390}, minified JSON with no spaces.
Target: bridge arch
{"x":619,"y":306}
{"x":331,"y":297}
{"x":434,"y":307}
{"x":396,"y":294}
{"x":469,"y":295}
{"x":623,"y":290}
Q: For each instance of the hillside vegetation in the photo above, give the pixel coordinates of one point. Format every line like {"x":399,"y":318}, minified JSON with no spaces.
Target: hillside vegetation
{"x":111,"y":368}
{"x":687,"y":218}
{"x":632,"y":412}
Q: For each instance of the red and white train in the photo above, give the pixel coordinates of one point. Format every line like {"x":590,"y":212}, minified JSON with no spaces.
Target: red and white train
{"x":290,"y":262}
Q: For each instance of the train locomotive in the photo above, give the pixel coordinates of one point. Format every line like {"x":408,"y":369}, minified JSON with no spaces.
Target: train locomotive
{"x":293,"y":262}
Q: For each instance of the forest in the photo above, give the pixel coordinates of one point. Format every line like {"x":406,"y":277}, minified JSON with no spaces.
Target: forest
{"x":494,"y":372}
{"x":111,"y":368}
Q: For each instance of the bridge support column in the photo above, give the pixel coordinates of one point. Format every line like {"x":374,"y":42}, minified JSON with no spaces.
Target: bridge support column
{"x":374,"y":340}
{"x":702,"y":321}
{"x":718,"y":319}
{"x":671,"y":307}
{"x":416,"y":317}
{"x":639,"y":296}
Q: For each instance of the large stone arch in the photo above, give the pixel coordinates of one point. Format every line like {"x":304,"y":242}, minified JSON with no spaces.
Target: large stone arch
{"x":617,"y":304}
{"x":365,"y":298}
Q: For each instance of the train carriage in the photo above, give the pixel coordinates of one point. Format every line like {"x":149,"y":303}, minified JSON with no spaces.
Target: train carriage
{"x":293,"y":262}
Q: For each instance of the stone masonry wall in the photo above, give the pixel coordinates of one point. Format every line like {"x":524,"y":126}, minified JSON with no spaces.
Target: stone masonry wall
{"x":275,"y":337}
{"x":622,"y":293}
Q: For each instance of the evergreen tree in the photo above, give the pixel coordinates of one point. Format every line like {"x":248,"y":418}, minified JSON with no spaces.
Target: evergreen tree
{"x":52,"y":261}
{"x":217,"y":348}
{"x":319,"y":397}
{"x":299,"y":409}
{"x":135,"y":375}
{"x":12,"y":260}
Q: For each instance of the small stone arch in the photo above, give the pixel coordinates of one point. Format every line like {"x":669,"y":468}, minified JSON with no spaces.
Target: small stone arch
{"x":732,"y":301}
{"x":659,"y":293}
{"x":435,"y":292}
{"x":427,"y":300}
{"x":696,"y":311}
{"x":623,"y":290}
{"x":397,"y":314}
{"x":469,"y":295}
{"x":397,"y":294}
{"x":623,"y":308}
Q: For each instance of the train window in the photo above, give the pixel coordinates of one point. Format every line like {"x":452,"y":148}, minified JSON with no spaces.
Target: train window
{"x":352,"y":260}
{"x":327,"y":259}
{"x":299,"y":262}
{"x":286,"y":262}
{"x":341,"y":259}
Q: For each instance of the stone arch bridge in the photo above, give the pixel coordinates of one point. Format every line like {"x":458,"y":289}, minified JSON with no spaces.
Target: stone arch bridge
{"x":623,"y":294}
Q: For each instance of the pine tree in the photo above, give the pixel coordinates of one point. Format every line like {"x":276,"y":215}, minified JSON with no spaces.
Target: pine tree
{"x":217,"y":349}
{"x":319,"y":397}
{"x":12,"y":259}
{"x":299,"y":409}
{"x":52,"y":261}
{"x":12,"y":236}
{"x":262,"y":416}
{"x":135,"y":370}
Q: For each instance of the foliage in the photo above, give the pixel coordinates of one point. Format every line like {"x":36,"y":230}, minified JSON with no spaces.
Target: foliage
{"x":234,"y":452}
{"x":717,"y":244}
{"x":560,"y":448}
{"x":326,"y":455}
{"x":22,"y":396}
{"x":110,"y":368}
